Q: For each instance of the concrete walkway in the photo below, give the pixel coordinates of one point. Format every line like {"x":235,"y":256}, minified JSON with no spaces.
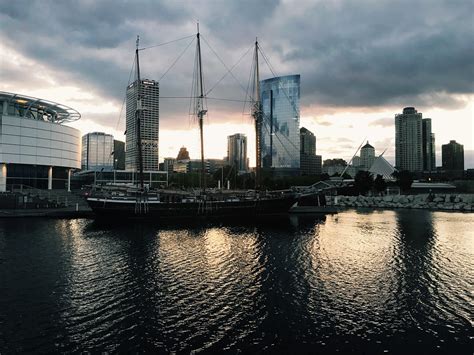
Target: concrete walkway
{"x":66,"y":212}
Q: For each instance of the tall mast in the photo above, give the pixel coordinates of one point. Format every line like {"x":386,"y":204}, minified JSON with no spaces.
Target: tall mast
{"x":201,"y":112}
{"x":257,"y":114}
{"x":138,"y":118}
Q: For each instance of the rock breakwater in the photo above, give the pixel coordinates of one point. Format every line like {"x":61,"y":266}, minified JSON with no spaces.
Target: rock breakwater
{"x":441,"y":202}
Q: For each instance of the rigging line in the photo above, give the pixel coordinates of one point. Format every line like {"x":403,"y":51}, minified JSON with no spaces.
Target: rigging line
{"x":224,"y":99}
{"x":229,"y":70}
{"x":192,"y":100}
{"x":164,"y":43}
{"x":248,"y":85}
{"x":176,"y":60}
{"x":266,"y":121}
{"x":125,"y":96}
{"x":279,"y":81}
{"x":279,"y":139}
{"x":223,"y":63}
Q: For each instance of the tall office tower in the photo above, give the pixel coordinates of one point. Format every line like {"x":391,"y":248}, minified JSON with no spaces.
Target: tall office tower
{"x":307,"y":141}
{"x":237,"y":151}
{"x":408,"y":140}
{"x":452,"y":156}
{"x":367,"y":156}
{"x":319,"y":164}
{"x":308,"y":157}
{"x":428,"y":138}
{"x":149,"y":125}
{"x":119,"y":155}
{"x":97,"y":151}
{"x":281,"y":120}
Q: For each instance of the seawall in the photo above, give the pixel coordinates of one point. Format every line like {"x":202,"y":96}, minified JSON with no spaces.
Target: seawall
{"x":439,"y":202}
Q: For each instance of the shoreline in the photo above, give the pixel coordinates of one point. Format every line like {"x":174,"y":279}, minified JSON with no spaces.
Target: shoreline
{"x":47,"y":213}
{"x":430,"y":202}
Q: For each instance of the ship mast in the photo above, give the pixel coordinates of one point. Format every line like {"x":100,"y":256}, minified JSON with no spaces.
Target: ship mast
{"x":200,"y":110}
{"x":257,"y":115}
{"x":138,"y":118}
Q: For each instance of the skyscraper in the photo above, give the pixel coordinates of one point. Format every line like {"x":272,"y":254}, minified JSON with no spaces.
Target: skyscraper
{"x":281,"y":119}
{"x":408,"y":140}
{"x":237,"y":152}
{"x":428,"y":138}
{"x":310,"y":163}
{"x":367,"y":156}
{"x":119,"y":155}
{"x":149,"y":125}
{"x":452,"y":156}
{"x":97,"y":151}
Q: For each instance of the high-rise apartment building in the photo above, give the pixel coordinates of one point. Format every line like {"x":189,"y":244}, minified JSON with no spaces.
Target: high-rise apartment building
{"x":280,"y":143}
{"x":428,"y":142}
{"x":237,"y":152}
{"x":452,"y":156}
{"x":408,"y":140}
{"x":149,"y":125}
{"x":367,"y":156}
{"x":97,"y":151}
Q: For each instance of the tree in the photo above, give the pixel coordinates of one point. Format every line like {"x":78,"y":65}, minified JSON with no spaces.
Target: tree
{"x":404,"y":179}
{"x":363,"y":181}
{"x":334,"y":162}
{"x":379,"y":183}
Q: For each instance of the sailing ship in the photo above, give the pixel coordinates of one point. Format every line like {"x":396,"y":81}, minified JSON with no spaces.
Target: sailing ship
{"x":143,"y":203}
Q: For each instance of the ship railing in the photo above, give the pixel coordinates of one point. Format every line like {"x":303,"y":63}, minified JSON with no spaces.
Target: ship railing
{"x":59,"y":198}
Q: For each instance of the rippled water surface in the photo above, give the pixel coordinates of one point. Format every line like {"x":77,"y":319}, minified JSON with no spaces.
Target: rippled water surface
{"x":378,"y":281}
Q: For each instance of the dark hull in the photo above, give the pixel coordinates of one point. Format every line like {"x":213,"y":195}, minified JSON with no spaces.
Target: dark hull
{"x":166,"y":210}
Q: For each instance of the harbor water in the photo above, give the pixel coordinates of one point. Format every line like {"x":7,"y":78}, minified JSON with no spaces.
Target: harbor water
{"x":374,"y":281}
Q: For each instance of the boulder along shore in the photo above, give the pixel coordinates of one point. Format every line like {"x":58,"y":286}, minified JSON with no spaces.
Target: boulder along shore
{"x":439,"y":202}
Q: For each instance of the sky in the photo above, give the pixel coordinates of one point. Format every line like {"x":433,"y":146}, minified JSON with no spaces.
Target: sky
{"x":360,"y":63}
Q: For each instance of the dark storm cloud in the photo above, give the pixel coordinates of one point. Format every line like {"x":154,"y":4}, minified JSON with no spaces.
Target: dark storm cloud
{"x":382,"y":53}
{"x":354,"y":53}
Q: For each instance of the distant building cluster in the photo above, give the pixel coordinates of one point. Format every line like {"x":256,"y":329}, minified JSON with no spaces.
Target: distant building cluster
{"x":414,"y":142}
{"x":287,"y":149}
{"x":415,"y":149}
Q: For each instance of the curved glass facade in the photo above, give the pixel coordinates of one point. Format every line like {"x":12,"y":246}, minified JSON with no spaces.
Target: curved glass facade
{"x":281,"y":121}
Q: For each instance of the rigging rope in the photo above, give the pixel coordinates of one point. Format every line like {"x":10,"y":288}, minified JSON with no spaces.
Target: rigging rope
{"x":279,"y":81}
{"x":165,"y":43}
{"x":225,"y":66}
{"x":176,"y":60}
{"x":125,"y":96}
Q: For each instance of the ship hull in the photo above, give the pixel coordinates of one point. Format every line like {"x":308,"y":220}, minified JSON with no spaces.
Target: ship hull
{"x":116,"y":208}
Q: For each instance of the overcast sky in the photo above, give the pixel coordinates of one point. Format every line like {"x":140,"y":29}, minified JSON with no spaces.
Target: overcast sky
{"x":360,"y":62}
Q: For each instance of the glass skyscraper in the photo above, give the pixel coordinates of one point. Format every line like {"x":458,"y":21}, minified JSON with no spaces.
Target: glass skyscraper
{"x":97,"y":151}
{"x":237,"y":152}
{"x":281,"y":122}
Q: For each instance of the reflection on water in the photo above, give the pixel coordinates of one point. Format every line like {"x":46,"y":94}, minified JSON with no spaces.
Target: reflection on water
{"x":375,"y":281}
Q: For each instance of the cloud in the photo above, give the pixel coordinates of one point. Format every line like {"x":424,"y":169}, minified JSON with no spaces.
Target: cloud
{"x":383,"y":122}
{"x":351,"y":54}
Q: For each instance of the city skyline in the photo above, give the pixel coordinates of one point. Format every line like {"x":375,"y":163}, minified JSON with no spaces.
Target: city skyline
{"x":354,"y":78}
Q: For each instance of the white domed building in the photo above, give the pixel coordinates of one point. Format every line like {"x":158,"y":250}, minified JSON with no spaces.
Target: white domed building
{"x":37,"y":149}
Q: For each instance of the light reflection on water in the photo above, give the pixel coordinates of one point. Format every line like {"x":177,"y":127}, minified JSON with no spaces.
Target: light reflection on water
{"x":386,"y":280}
